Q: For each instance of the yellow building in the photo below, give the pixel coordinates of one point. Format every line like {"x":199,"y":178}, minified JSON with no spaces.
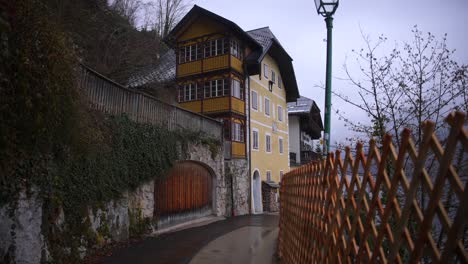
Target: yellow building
{"x":244,"y":79}
{"x":270,"y":90}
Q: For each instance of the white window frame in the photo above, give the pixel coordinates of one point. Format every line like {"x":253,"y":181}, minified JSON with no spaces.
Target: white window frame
{"x":254,"y":101}
{"x":280,"y":113}
{"x":273,"y":76}
{"x":236,"y":49}
{"x":188,"y":92}
{"x":217,"y":86}
{"x":236,"y":89}
{"x":237,"y":132}
{"x":268,"y":143}
{"x":281,"y":145}
{"x":267,"y":113}
{"x":211,"y":47}
{"x":280,"y":80}
{"x":187,"y":53}
{"x":268,"y":176}
{"x":265,"y":70}
{"x":257,"y":147}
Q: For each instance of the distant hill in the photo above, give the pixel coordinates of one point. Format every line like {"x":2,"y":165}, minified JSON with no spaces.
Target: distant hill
{"x":105,"y":40}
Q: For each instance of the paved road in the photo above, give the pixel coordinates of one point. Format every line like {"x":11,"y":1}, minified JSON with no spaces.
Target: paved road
{"x":242,"y":239}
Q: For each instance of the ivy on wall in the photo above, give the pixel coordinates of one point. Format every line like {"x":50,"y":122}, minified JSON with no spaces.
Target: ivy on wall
{"x":76,"y":158}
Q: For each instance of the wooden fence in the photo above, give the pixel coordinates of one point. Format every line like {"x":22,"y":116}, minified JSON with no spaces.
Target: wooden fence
{"x":408,"y":206}
{"x":112,"y":98}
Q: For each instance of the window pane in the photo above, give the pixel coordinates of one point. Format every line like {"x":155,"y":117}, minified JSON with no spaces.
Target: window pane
{"x":268,"y":143}
{"x":219,"y":46}
{"x":226,"y":129}
{"x":181,"y":94}
{"x":265,"y":70}
{"x":280,"y":113}
{"x":213,"y":88}
{"x":193,"y":91}
{"x":182,"y":55}
{"x":193,"y":53}
{"x":254,"y":100}
{"x":236,"y":89}
{"x":226,"y":87}
{"x":255,"y":139}
{"x":207,"y":49}
{"x":267,"y":106}
{"x":207,"y":89}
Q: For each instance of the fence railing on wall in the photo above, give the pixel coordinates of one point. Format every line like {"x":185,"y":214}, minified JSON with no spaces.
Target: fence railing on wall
{"x":390,"y":206}
{"x":112,"y":98}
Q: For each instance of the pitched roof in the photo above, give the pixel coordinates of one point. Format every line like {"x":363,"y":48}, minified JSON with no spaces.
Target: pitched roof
{"x":197,"y":11}
{"x":163,"y":71}
{"x":262,"y":40}
{"x":309,"y":113}
{"x":272,"y":46}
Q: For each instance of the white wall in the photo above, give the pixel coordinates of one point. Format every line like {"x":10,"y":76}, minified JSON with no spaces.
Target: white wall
{"x":294,"y":137}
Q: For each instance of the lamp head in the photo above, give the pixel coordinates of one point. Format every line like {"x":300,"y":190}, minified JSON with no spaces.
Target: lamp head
{"x":326,"y":8}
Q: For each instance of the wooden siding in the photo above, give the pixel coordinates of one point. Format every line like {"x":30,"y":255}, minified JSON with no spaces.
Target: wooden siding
{"x":189,"y":68}
{"x":194,"y":106}
{"x":187,"y":187}
{"x":203,"y":66}
{"x":111,"y":98}
{"x":360,"y":208}
{"x":201,"y":27}
{"x":218,"y":104}
{"x":216,"y":63}
{"x":236,"y":64}
{"x":237,"y":105}
{"x":238,"y":149}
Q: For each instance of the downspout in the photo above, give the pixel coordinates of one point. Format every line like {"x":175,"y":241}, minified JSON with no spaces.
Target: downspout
{"x":232,"y":193}
{"x":249,"y":134}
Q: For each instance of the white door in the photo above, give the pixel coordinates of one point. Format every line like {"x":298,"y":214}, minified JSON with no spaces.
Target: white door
{"x":257,"y":193}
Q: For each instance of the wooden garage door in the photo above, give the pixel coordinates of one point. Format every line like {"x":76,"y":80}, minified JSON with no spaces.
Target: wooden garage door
{"x":187,"y":187}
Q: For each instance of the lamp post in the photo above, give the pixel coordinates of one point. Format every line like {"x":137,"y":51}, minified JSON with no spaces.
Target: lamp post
{"x":327,"y":8}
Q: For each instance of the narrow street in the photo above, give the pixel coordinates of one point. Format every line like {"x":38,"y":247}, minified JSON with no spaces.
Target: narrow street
{"x":242,"y":239}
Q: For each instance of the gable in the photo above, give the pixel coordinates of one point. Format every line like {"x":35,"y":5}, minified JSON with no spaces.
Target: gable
{"x":201,"y":26}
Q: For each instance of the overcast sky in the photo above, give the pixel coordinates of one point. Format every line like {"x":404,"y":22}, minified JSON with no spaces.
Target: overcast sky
{"x":302,"y":33}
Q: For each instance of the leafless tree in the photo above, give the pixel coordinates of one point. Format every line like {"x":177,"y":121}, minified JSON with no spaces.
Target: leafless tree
{"x":162,"y":15}
{"x":406,"y":86}
{"x":128,"y":9}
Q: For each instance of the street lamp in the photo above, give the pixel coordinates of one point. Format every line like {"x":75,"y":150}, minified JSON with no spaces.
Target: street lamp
{"x":327,"y":8}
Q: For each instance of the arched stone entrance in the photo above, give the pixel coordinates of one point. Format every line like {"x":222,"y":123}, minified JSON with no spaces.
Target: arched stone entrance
{"x":257,"y":192}
{"x":186,"y":193}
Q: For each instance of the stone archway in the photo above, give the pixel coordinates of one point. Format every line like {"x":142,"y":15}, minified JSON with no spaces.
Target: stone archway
{"x":257,"y":192}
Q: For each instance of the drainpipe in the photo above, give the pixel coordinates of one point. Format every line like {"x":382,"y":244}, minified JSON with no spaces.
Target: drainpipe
{"x":232,"y":195}
{"x":249,"y":134}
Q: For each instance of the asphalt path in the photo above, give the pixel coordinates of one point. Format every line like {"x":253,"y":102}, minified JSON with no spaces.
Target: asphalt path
{"x":254,"y":243}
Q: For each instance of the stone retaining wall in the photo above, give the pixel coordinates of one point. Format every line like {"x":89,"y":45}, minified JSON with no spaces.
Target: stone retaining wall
{"x":21,"y":223}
